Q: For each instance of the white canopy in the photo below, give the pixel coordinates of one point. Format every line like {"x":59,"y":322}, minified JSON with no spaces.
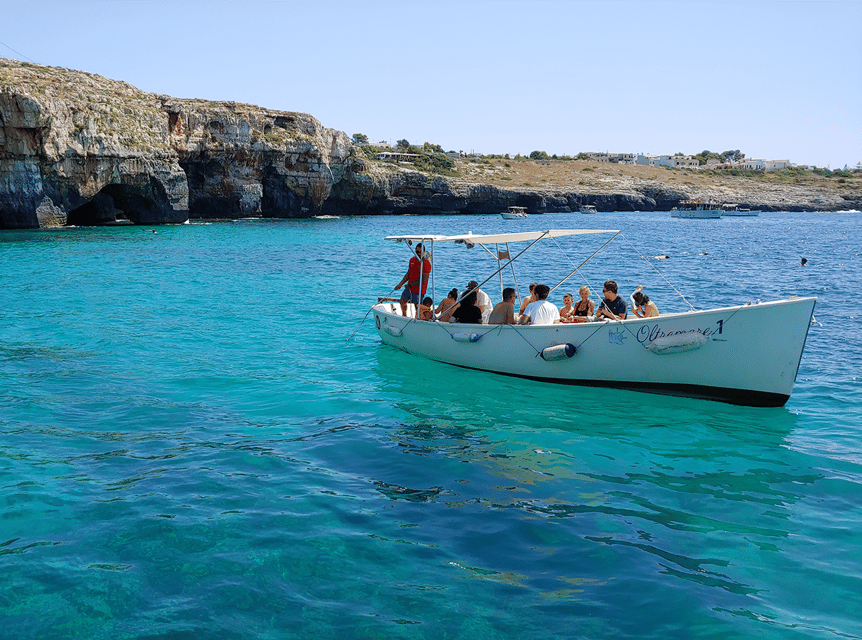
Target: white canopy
{"x":500,"y":238}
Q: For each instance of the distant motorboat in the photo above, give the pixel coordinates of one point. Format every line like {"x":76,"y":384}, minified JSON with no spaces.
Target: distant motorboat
{"x":735,"y":210}
{"x":588,"y":208}
{"x":515,"y":213}
{"x":695,"y":209}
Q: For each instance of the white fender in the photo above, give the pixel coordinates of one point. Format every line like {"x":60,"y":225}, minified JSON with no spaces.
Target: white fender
{"x":677,"y":343}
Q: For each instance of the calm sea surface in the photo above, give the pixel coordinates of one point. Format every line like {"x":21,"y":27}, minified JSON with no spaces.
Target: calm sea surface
{"x":190,"y":447}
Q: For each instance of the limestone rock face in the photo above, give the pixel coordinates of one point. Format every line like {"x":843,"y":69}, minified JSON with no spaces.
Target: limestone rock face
{"x":68,"y":136}
{"x":80,"y":149}
{"x":101,"y":152}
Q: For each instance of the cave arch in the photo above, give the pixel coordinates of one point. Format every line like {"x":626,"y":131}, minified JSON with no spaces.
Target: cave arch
{"x":118,"y":204}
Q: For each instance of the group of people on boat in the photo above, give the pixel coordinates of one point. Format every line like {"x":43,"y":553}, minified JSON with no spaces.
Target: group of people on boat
{"x":474,"y":307}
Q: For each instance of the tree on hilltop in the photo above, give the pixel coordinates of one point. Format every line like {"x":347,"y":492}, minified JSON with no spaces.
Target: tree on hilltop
{"x":359,"y":138}
{"x":732,"y":156}
{"x":538,"y":155}
{"x":705,"y":155}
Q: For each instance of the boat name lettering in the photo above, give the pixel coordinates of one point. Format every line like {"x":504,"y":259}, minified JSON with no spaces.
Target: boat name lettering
{"x":650,"y":333}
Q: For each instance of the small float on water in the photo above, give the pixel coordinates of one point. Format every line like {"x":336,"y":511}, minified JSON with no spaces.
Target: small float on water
{"x":744,"y":354}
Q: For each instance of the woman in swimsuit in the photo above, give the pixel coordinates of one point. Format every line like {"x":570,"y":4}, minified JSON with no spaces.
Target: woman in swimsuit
{"x":585,"y":307}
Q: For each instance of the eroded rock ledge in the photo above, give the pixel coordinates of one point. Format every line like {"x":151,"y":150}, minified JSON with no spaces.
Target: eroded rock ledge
{"x":80,"y":149}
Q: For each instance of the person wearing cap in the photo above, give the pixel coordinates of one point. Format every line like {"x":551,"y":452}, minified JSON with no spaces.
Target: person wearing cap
{"x":412,"y":291}
{"x":541,"y":311}
{"x":483,"y":300}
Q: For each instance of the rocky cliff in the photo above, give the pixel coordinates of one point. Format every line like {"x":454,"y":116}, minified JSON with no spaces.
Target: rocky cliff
{"x":80,"y":149}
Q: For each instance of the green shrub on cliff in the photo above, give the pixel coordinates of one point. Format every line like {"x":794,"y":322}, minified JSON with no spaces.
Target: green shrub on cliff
{"x":438,"y":163}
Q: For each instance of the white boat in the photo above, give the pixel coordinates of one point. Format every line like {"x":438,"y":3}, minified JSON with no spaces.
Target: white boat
{"x":695,"y":209}
{"x":735,"y":210}
{"x":588,"y":208}
{"x":745,"y":354}
{"x":515,"y":213}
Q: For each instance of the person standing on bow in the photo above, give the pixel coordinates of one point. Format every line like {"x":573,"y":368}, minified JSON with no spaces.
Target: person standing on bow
{"x":418,"y":268}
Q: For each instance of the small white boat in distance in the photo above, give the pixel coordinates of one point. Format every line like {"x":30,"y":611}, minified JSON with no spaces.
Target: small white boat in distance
{"x":735,"y":210}
{"x":695,"y":209}
{"x":588,"y":208}
{"x":515,"y":213}
{"x":745,"y":354}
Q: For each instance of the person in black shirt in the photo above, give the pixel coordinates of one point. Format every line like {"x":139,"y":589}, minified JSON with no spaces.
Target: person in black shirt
{"x":467,"y":312}
{"x":613,"y":307}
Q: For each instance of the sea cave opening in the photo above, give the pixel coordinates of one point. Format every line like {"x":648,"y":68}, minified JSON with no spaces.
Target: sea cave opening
{"x":115,"y":204}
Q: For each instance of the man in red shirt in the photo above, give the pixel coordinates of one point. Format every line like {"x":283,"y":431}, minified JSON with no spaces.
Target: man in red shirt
{"x":415,"y":270}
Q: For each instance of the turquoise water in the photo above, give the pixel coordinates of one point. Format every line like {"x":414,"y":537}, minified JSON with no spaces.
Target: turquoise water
{"x":191,"y":448}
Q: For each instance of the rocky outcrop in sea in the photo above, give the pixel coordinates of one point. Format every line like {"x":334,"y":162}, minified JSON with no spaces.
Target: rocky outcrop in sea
{"x":80,"y":149}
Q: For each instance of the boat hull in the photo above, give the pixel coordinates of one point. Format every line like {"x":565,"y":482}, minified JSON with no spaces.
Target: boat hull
{"x":696,"y":214}
{"x":746,"y":355}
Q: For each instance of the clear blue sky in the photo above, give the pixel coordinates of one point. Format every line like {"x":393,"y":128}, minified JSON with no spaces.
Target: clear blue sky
{"x":773,"y":79}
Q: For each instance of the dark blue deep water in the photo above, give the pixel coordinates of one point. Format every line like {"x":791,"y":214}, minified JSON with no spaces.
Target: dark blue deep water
{"x":190,"y":447}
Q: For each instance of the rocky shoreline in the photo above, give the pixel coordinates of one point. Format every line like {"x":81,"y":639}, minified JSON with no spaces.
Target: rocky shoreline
{"x":80,"y":149}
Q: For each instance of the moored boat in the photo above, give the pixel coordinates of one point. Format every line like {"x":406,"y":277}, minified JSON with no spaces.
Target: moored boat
{"x":735,"y":210}
{"x":588,"y":208}
{"x":697,"y":353}
{"x":515,"y":213}
{"x":696,"y":209}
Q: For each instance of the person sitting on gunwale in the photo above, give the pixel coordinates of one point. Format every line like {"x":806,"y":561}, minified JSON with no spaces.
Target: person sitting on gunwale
{"x":541,"y":311}
{"x":644,"y":307}
{"x":426,"y":309}
{"x":529,"y":299}
{"x":613,"y":307}
{"x":584,"y":308}
{"x":444,"y":309}
{"x":483,"y":300}
{"x":504,"y":312}
{"x":467,"y":312}
{"x":567,"y":310}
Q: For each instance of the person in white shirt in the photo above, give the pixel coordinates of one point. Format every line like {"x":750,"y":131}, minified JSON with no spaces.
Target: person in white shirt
{"x":541,"y":311}
{"x":483,"y":301}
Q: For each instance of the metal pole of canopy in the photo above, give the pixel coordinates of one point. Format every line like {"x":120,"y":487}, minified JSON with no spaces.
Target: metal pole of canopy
{"x":585,"y":261}
{"x":513,"y":276}
{"x":433,"y":281}
{"x":497,"y":247}
{"x":511,"y":260}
